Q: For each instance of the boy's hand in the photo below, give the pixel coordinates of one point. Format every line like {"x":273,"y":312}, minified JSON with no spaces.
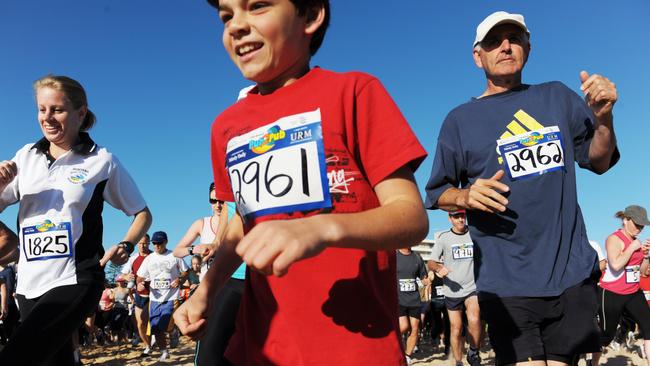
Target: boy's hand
{"x":192,"y":317}
{"x":272,"y":246}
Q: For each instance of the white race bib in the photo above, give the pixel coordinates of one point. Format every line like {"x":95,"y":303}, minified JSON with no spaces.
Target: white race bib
{"x":532,"y":153}
{"x":161,"y":283}
{"x":632,"y":274}
{"x":280,"y":167}
{"x":407,"y":285}
{"x":47,"y":240}
{"x":462,"y":251}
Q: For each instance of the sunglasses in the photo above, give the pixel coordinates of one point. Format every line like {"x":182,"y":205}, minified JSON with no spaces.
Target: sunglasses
{"x":213,"y":201}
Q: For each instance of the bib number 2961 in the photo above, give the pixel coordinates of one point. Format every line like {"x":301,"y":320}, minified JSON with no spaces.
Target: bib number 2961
{"x":280,"y":167}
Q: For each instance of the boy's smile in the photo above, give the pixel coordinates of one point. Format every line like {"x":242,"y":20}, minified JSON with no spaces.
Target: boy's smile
{"x":267,"y":40}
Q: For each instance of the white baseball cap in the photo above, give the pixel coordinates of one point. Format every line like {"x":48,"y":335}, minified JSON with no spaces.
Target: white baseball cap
{"x":497,"y":18}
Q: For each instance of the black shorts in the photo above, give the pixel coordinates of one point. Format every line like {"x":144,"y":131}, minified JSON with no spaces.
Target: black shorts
{"x":457,"y":303}
{"x":44,"y":336}
{"x":554,"y":328}
{"x":410,"y":311}
{"x":140,"y":301}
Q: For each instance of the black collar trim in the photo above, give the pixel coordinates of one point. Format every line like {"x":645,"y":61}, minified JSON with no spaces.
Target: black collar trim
{"x":85,"y":146}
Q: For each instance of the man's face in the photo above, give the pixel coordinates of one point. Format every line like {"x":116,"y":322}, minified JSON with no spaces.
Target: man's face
{"x":143,"y":245}
{"x":160,"y":247}
{"x":458,"y":221}
{"x":503,"y":52}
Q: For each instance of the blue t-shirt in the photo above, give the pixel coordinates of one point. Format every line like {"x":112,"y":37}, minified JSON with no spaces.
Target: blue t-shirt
{"x":539,"y":246}
{"x":8,"y":276}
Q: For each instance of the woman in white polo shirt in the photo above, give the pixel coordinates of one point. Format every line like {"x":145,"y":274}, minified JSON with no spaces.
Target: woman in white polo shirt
{"x":61,"y":183}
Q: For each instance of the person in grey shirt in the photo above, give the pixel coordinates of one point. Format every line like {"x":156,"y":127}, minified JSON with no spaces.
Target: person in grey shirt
{"x":452,"y":258}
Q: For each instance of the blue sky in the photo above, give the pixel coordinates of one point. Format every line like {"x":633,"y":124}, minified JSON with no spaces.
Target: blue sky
{"x":157,"y":75}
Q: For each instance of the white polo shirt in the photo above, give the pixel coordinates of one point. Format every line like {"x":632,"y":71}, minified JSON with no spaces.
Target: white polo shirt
{"x":59,"y":219}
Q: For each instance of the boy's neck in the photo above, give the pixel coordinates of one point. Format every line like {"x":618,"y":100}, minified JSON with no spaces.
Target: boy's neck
{"x":291,"y":75}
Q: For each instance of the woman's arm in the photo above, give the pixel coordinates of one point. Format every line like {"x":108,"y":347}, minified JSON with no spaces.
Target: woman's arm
{"x":190,"y":236}
{"x":617,"y":258}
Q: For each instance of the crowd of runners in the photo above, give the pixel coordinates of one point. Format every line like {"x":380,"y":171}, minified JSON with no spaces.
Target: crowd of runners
{"x":293,"y":270}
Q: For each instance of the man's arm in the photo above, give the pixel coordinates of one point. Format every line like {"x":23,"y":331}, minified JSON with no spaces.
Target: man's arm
{"x":484,"y":195}
{"x":600,"y":95}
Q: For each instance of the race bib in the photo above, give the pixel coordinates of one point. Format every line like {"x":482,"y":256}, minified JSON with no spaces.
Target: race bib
{"x":161,"y":283}
{"x":47,"y":240}
{"x":632,"y":274}
{"x":439,"y":290}
{"x":280,"y":168}
{"x":532,"y":153}
{"x":407,"y":285}
{"x":462,"y":251}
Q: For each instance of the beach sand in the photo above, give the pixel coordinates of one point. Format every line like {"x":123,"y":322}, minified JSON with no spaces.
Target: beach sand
{"x":120,"y":355}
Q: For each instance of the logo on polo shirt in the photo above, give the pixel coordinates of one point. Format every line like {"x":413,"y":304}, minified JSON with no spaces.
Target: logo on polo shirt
{"x":78,"y":176}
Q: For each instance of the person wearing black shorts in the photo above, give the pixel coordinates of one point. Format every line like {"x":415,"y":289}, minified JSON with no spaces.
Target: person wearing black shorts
{"x":509,"y":156}
{"x":410,"y":269}
{"x":61,"y":183}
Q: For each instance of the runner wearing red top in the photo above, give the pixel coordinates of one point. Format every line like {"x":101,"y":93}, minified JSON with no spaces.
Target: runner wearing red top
{"x":141,"y":296}
{"x":321,"y":167}
{"x":619,"y":288}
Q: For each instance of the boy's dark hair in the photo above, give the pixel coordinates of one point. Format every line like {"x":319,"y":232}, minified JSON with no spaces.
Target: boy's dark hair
{"x":306,"y":8}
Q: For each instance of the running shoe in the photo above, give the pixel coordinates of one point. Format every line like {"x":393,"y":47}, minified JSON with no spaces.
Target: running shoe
{"x":615,"y":346}
{"x":409,"y":361}
{"x":473,"y":358}
{"x":146,"y":352}
{"x":164,"y":355}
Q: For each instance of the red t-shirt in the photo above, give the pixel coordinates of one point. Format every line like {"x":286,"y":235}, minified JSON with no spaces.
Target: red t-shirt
{"x":134,"y":269}
{"x":644,"y":285}
{"x":340,"y":307}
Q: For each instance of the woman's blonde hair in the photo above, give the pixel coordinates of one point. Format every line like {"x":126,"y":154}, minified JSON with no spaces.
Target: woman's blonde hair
{"x":73,"y":91}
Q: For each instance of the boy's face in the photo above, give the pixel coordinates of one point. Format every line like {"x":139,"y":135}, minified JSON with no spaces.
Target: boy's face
{"x":267,"y":40}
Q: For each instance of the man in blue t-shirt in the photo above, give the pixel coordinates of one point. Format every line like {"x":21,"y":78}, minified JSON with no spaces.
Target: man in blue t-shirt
{"x":508,"y":157}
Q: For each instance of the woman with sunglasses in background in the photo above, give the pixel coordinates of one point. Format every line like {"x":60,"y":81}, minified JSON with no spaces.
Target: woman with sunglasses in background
{"x":210,"y":230}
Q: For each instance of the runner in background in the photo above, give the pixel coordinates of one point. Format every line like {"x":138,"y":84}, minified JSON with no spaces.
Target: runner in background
{"x":8,"y":240}
{"x":141,"y":295}
{"x":410,"y":269}
{"x":627,"y":261}
{"x":166,"y":273}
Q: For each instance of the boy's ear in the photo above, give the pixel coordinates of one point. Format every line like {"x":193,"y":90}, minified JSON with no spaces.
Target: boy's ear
{"x":315,"y":18}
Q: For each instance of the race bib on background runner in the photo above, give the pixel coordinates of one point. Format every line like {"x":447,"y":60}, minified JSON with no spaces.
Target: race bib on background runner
{"x":407,"y":285}
{"x":47,"y":240}
{"x":462,"y":251}
{"x":632,"y":274}
{"x":161,"y":283}
{"x":280,"y":167}
{"x":532,"y":153}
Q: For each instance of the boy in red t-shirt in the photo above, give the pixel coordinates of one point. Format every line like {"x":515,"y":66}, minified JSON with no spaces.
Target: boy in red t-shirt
{"x":320,"y":165}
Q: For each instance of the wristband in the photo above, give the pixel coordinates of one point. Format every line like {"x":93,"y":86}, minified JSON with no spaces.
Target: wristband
{"x":126,"y":245}
{"x":190,"y":250}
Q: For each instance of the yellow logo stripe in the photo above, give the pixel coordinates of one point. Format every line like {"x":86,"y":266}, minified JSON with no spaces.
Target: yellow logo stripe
{"x":527,"y":120}
{"x":515,"y":128}
{"x":505,"y":135}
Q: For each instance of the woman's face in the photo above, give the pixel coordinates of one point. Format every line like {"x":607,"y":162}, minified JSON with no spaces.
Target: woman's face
{"x":633,"y":229}
{"x":60,"y":122}
{"x":196,"y":265}
{"x":217,"y":206}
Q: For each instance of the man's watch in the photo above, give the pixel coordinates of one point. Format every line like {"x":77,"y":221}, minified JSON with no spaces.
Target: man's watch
{"x":126,"y":245}
{"x":190,"y":250}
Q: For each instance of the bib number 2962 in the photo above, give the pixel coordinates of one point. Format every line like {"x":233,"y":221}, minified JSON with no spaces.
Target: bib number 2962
{"x":280,"y":167}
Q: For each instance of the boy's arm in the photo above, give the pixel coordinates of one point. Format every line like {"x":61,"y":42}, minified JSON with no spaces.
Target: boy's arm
{"x":191,"y":317}
{"x":400,"y":220}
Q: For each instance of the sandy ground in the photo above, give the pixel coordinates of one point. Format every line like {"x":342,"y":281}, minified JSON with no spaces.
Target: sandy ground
{"x":119,"y":355}
{"x":125,"y":354}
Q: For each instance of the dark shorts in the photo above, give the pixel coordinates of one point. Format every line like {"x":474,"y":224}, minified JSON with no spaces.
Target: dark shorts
{"x":457,"y":303}
{"x":140,"y":301}
{"x":410,"y":311}
{"x":554,"y":328}
{"x":159,"y":315}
